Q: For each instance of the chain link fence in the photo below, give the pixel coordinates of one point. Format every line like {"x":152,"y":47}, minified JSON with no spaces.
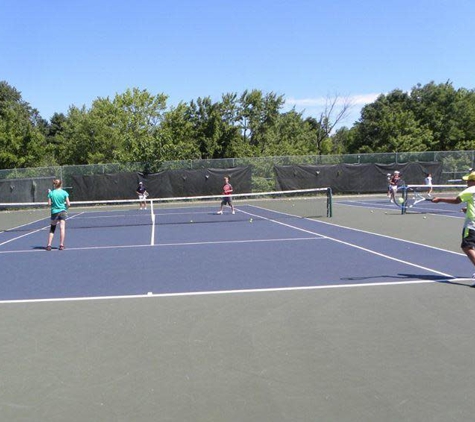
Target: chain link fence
{"x":454,"y":165}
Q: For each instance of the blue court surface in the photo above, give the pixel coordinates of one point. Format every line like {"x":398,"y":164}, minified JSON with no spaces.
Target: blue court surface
{"x":237,"y":254}
{"x":258,"y":316}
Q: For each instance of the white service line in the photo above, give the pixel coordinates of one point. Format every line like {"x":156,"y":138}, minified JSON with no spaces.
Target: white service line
{"x":162,"y":245}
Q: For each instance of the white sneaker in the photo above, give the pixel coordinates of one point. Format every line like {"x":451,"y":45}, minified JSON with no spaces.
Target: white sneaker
{"x":219,"y":212}
{"x":234,"y":212}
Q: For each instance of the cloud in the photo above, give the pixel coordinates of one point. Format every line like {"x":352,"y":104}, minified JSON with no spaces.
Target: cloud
{"x":357,"y":100}
{"x":316,"y":106}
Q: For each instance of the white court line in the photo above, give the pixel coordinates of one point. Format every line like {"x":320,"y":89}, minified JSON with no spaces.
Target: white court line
{"x":358,"y":247}
{"x":218,"y":292}
{"x":429,"y":211}
{"x":24,"y":225}
{"x":30,"y":232}
{"x":160,"y":245}
{"x":389,"y":237}
{"x":23,"y":235}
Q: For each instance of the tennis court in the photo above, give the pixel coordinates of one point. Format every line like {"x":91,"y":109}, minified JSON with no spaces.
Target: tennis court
{"x":262,"y":315}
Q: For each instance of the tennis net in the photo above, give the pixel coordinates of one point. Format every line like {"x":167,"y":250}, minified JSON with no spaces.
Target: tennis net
{"x":302,"y":203}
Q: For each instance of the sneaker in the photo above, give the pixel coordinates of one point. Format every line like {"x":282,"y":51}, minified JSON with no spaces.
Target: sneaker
{"x":61,"y":247}
{"x":219,"y":212}
{"x":48,"y":248}
{"x":234,"y":212}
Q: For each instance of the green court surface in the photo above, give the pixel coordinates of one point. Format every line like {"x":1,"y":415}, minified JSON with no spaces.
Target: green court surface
{"x":385,"y":352}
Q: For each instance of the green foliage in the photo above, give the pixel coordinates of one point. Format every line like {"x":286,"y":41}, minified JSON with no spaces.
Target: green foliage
{"x":137,"y":126}
{"x":431,"y":117}
{"x":262,"y":184}
{"x":22,"y":141}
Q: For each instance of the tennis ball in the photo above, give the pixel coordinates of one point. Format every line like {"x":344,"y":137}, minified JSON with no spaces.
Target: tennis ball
{"x":250,"y":220}
{"x":400,"y":200}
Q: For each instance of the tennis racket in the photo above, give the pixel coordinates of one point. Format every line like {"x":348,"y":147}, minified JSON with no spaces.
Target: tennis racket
{"x":418,"y":198}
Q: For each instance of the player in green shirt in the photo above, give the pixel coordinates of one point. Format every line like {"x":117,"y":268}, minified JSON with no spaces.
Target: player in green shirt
{"x":468,"y":235}
{"x":58,"y":200}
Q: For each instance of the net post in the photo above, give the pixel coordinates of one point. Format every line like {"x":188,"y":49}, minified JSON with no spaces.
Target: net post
{"x":329,"y":203}
{"x":404,"y":197}
{"x":152,"y":215}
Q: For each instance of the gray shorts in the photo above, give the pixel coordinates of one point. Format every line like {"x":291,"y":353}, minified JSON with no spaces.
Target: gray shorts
{"x":59,"y":216}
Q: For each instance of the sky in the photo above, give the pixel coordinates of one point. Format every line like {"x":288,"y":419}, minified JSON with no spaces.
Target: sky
{"x":62,"y":53}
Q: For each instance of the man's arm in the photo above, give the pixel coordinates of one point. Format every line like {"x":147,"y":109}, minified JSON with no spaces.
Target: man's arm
{"x":456,"y":200}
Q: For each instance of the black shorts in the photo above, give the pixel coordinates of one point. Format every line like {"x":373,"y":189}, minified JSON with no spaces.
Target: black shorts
{"x":468,"y":239}
{"x":226,"y":200}
{"x":59,"y":216}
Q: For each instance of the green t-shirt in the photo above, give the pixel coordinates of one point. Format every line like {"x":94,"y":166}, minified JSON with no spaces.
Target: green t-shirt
{"x":468,"y":196}
{"x":58,"y":200}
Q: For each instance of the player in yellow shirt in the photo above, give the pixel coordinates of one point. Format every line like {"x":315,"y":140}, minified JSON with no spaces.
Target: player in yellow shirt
{"x":468,"y":235}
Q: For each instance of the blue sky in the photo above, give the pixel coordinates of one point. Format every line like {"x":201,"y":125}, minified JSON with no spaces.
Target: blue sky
{"x":59,"y":53}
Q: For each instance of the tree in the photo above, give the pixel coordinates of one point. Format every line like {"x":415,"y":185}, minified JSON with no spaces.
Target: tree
{"x":77,"y":137}
{"x":22,"y":140}
{"x":290,"y":135}
{"x":208,"y":127}
{"x":449,"y":113}
{"x":121,"y":130}
{"x":55,"y":138}
{"x":257,"y":118}
{"x":135,"y":122}
{"x":175,"y":139}
{"x":340,"y":141}
{"x":389,"y":125}
{"x":335,"y":110}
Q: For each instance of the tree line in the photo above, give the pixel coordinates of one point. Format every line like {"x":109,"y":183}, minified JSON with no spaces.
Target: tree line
{"x":138,"y":126}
